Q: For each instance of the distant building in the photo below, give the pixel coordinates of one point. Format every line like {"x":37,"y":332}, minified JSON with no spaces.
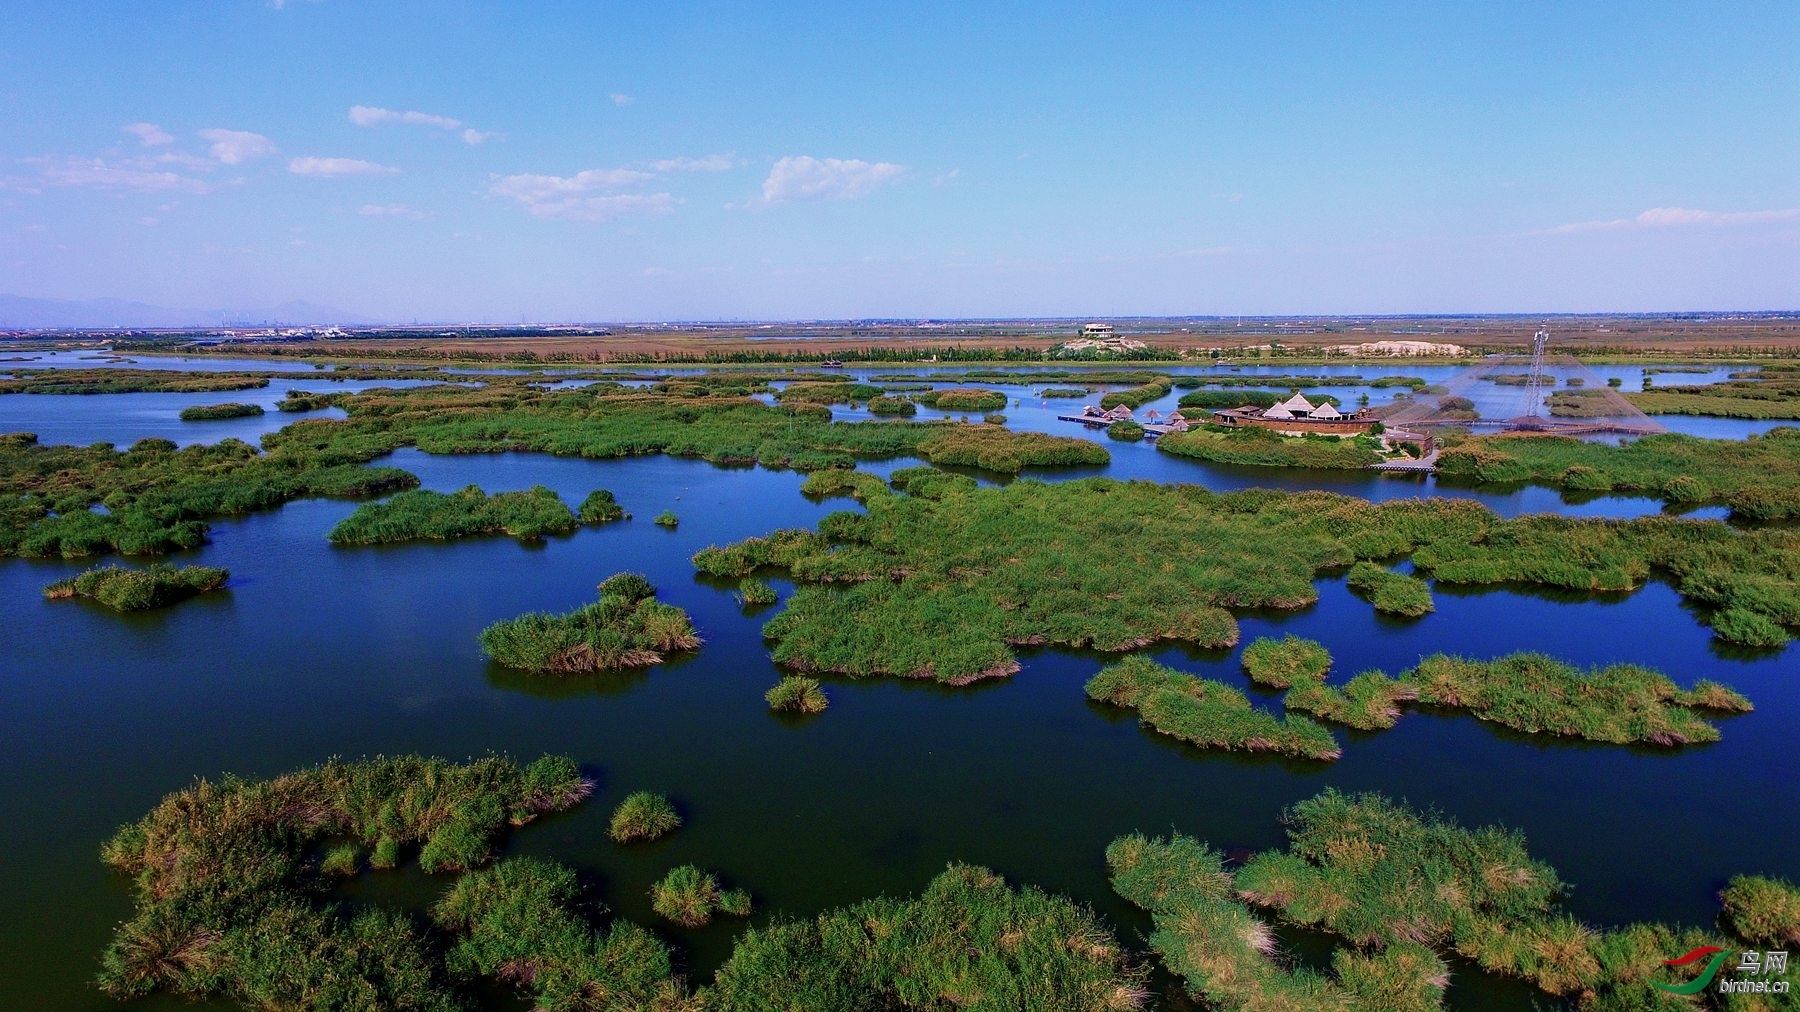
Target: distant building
{"x":1296,"y":416}
{"x":1097,"y":331}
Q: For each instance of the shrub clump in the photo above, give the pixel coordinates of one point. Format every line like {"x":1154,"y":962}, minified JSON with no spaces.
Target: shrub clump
{"x":1391,"y":592}
{"x":690,"y":897}
{"x":643,"y":815}
{"x":124,"y":589}
{"x":1206,"y":713}
{"x":797,"y":694}
{"x":213,"y":412}
{"x":599,"y":508}
{"x":421,"y":515}
{"x":626,"y":628}
{"x":667,"y":518}
{"x":756,"y":594}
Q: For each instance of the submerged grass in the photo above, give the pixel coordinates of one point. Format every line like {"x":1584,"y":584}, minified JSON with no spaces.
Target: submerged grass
{"x":229,"y":899}
{"x":421,"y":515}
{"x":124,"y":589}
{"x":1206,"y":713}
{"x":626,"y":628}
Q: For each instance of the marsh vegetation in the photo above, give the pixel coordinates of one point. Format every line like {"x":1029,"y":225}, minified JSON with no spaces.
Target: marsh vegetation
{"x":421,"y":515}
{"x":643,"y":815}
{"x":215,"y":412}
{"x":1206,"y":713}
{"x":797,"y":694}
{"x":125,"y":589}
{"x":626,"y":628}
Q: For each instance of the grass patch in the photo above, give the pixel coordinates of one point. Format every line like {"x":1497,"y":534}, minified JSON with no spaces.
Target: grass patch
{"x":887,"y":406}
{"x":942,"y":583}
{"x":1206,"y":713}
{"x":1125,"y":430}
{"x":1758,"y":478}
{"x":1286,"y":662}
{"x":797,"y":694}
{"x":667,"y":518}
{"x":1529,"y":692}
{"x":626,"y":628}
{"x":421,"y":515}
{"x":300,"y":401}
{"x":969,"y":941}
{"x":126,"y":381}
{"x":123,"y":589}
{"x":1403,"y":888}
{"x":1764,"y":911}
{"x":992,"y":448}
{"x":212,"y":412}
{"x":600,"y":508}
{"x":755,"y":594}
{"x":1062,"y":393}
{"x":690,"y":897}
{"x":1138,"y":396}
{"x":643,"y":815}
{"x":1266,"y":448}
{"x":1391,"y":592}
{"x":229,"y":901}
{"x":962,"y":399}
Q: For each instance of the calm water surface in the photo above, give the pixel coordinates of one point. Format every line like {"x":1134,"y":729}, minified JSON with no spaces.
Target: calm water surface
{"x":313,"y":651}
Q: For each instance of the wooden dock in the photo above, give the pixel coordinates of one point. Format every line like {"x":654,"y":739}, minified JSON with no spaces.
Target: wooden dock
{"x":1151,"y":429}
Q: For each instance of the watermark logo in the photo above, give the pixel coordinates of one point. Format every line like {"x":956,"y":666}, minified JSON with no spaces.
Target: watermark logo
{"x":1751,"y":975}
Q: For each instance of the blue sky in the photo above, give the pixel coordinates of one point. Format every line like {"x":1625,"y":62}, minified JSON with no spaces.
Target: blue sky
{"x":598,"y":161}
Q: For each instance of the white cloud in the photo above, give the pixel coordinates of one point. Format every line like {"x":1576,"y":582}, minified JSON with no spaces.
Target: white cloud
{"x":803,"y":177}
{"x":620,"y":98}
{"x":235,"y":146}
{"x":148,"y":134}
{"x":946,"y":178}
{"x":709,"y":163}
{"x":98,"y":174}
{"x":194,"y":162}
{"x":1664,"y":217}
{"x":369,"y":115}
{"x":473,"y":136}
{"x":583,"y":196}
{"x":528,"y":188}
{"x":392,"y":211}
{"x":314,"y":166}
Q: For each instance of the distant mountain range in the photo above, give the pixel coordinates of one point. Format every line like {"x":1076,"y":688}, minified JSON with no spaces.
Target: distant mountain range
{"x":18,"y":312}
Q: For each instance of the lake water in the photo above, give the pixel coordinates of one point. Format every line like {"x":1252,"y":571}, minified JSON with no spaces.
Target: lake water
{"x":314,"y":651}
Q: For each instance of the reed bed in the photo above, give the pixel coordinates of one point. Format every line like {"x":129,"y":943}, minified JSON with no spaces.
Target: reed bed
{"x":642,"y":816}
{"x":215,"y":412}
{"x":1265,"y":448}
{"x":124,"y":589}
{"x":1125,"y":430}
{"x":962,"y":399}
{"x":1138,"y":396}
{"x":968,"y":941}
{"x":126,"y":381}
{"x":422,"y":515}
{"x":230,"y":903}
{"x":887,"y":405}
{"x":1758,"y":478}
{"x":626,"y":628}
{"x":1390,"y":592}
{"x":943,"y":587}
{"x":797,"y":694}
{"x":690,"y":897}
{"x":1206,"y":713}
{"x":599,"y":507}
{"x":1761,"y":910}
{"x":1286,"y":662}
